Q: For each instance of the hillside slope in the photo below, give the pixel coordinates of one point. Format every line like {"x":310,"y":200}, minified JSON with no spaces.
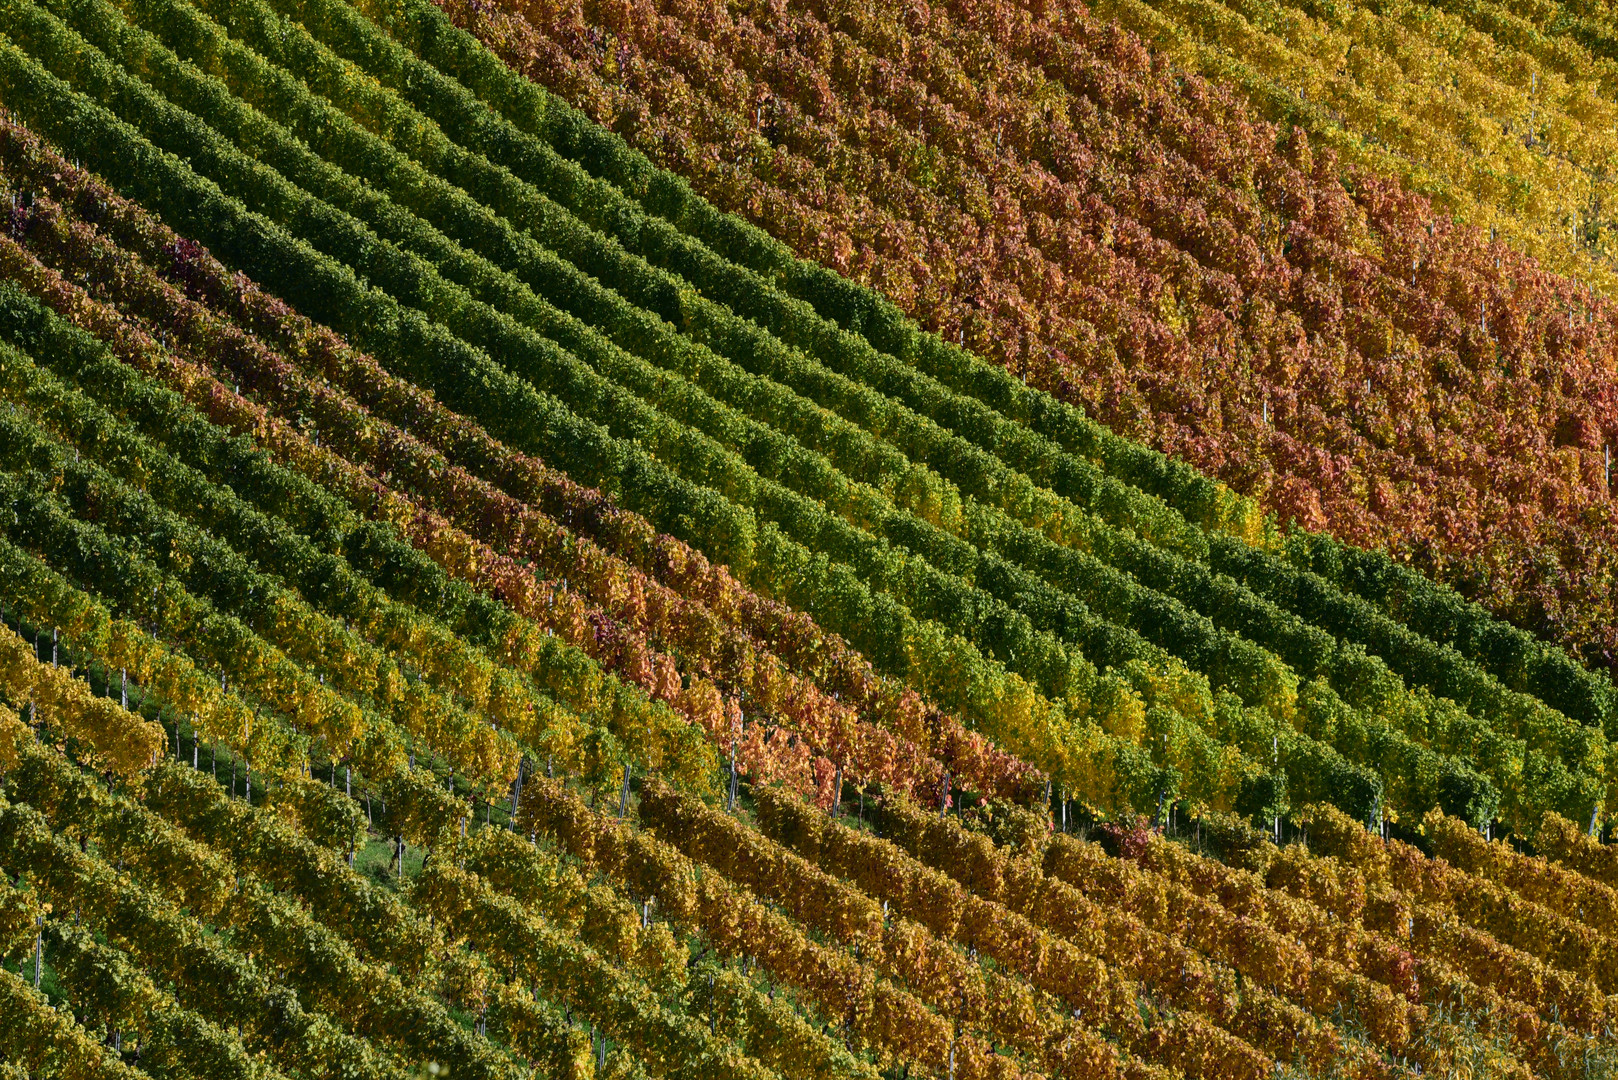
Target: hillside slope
{"x":464,"y":604}
{"x":1230,"y":269}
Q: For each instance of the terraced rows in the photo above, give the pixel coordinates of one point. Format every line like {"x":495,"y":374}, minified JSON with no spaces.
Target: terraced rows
{"x":1181,"y":254}
{"x":622,"y":669}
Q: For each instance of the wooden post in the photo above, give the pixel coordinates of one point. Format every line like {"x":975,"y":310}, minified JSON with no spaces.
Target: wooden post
{"x":730,"y":799}
{"x":516,"y":797}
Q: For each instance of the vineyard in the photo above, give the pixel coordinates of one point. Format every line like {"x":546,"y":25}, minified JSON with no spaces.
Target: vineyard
{"x":975,"y":542}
